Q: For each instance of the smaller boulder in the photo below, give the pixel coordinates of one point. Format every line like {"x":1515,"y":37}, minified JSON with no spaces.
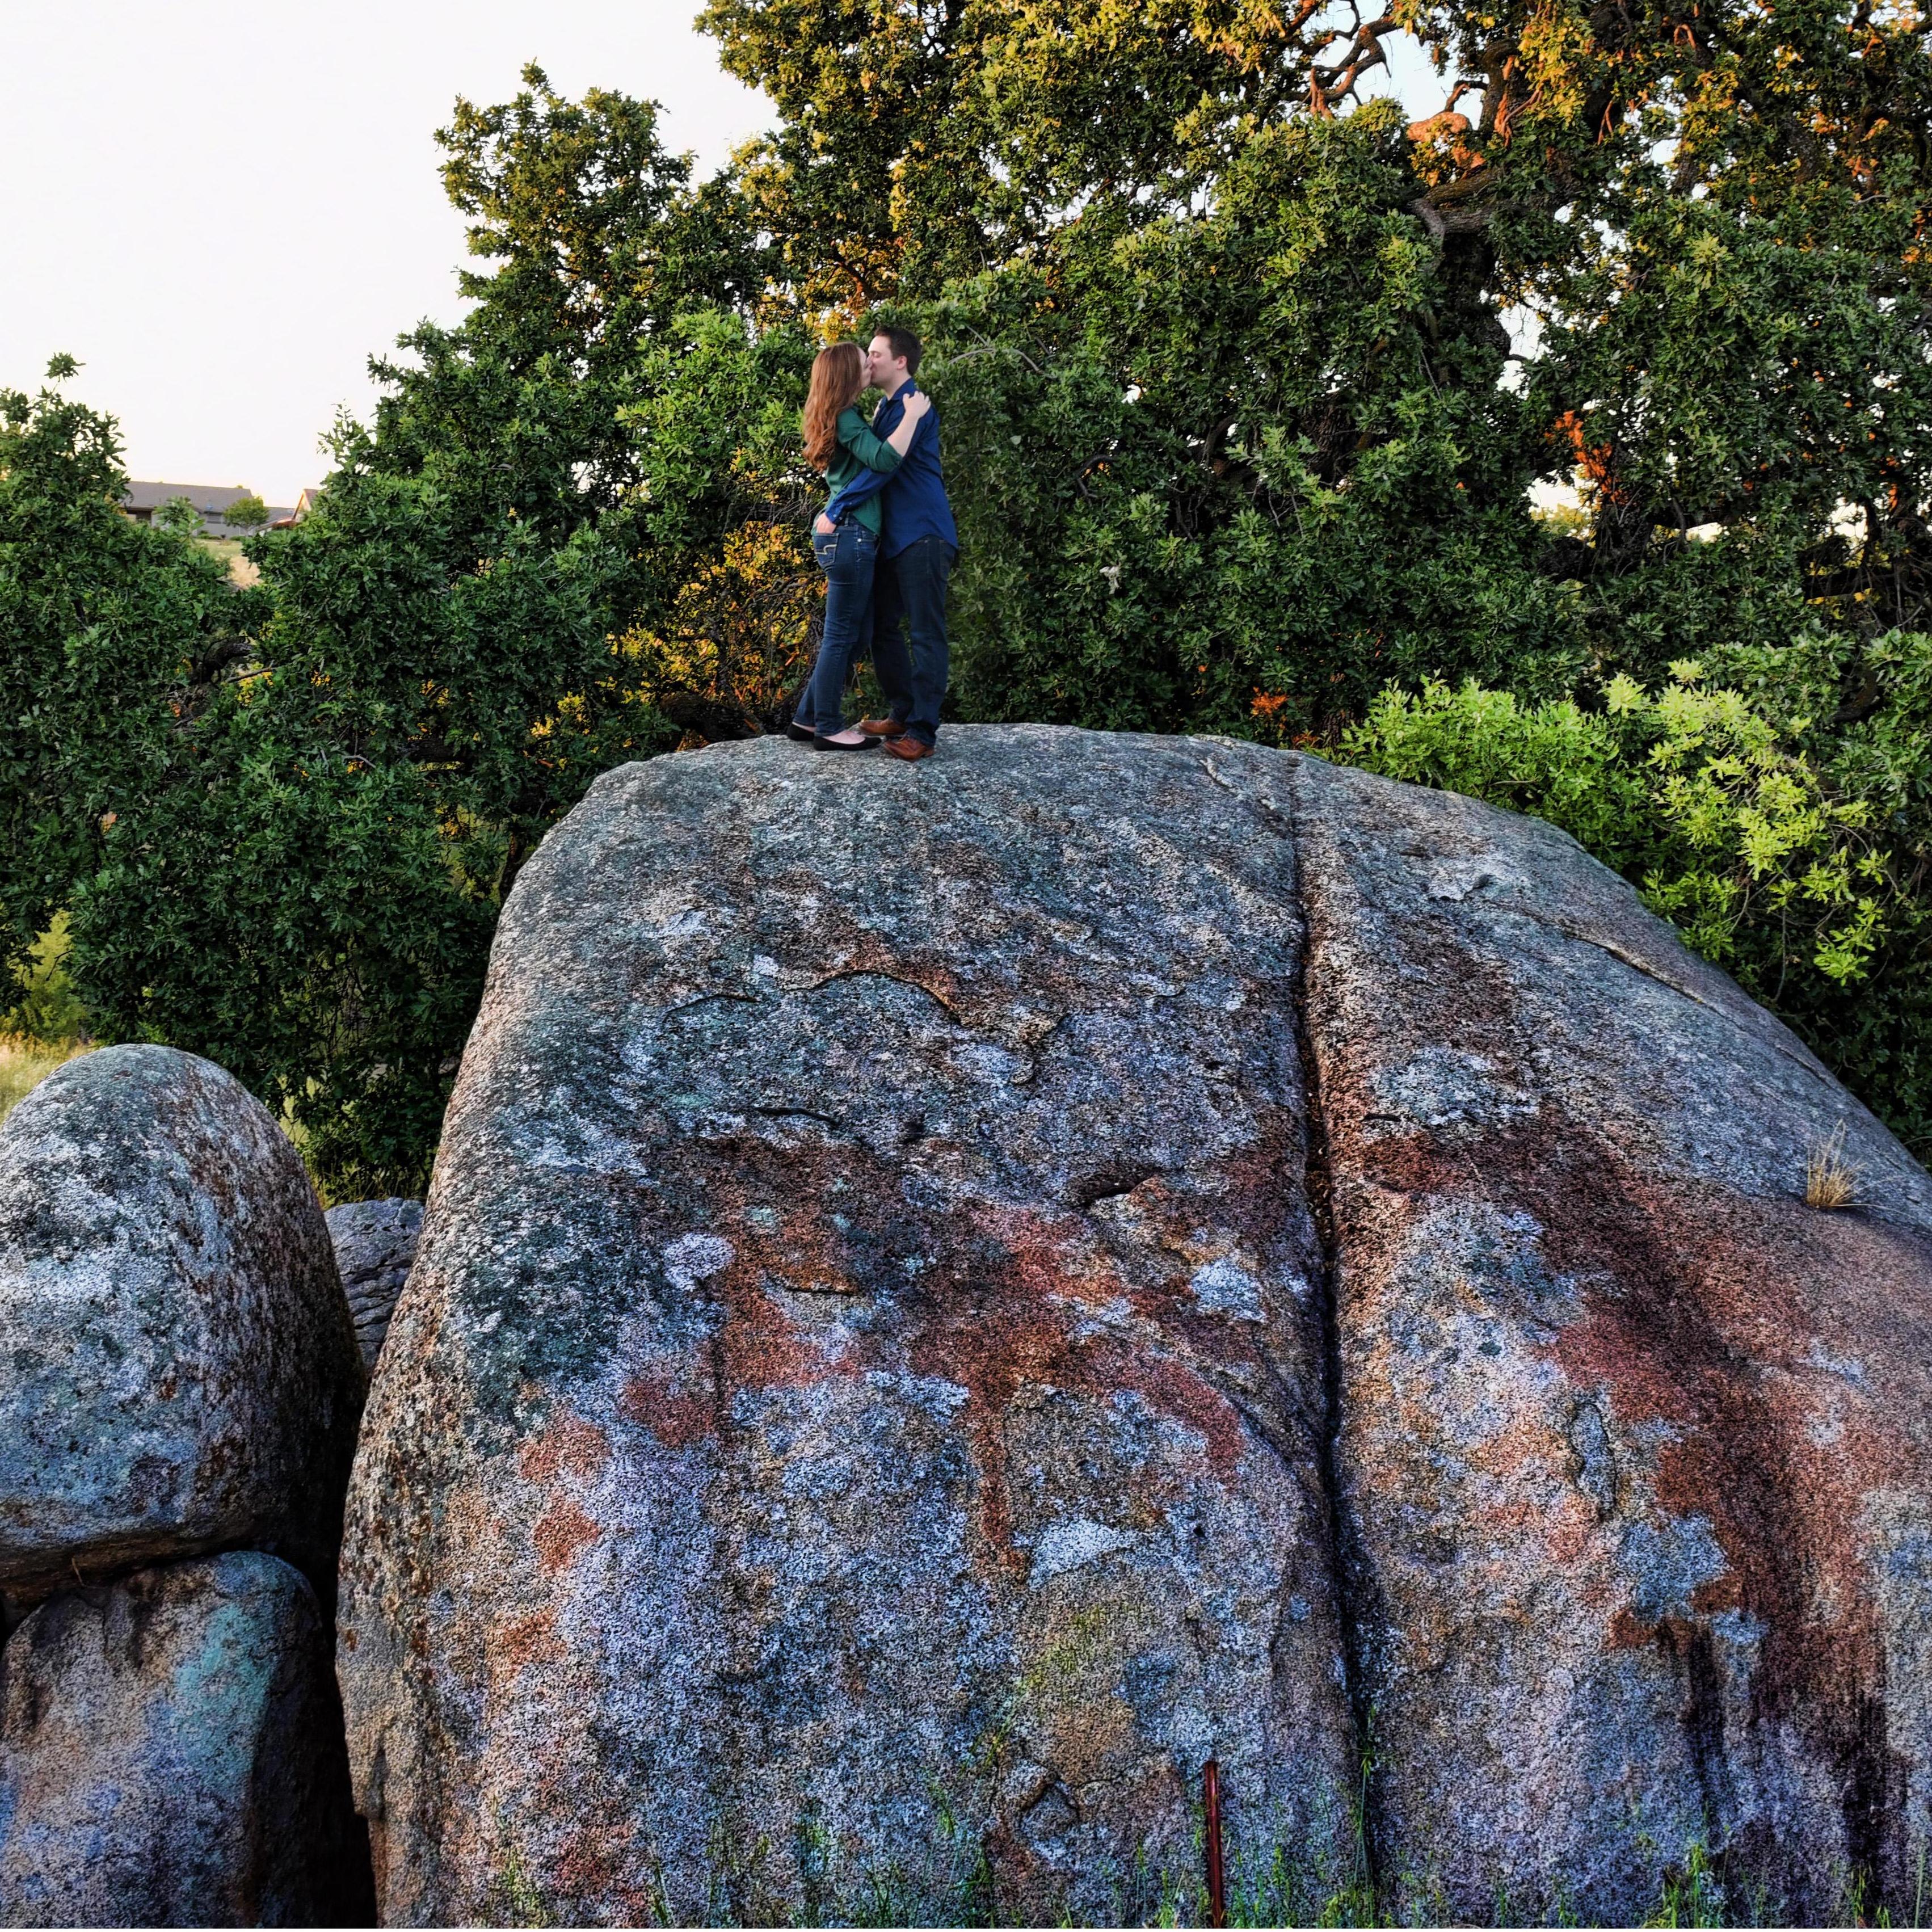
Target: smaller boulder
{"x":182,"y":1375}
{"x":375,"y":1247}
{"x":171,"y":1753}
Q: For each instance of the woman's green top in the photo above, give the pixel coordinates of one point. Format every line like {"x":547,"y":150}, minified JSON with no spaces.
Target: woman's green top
{"x":860,"y":449}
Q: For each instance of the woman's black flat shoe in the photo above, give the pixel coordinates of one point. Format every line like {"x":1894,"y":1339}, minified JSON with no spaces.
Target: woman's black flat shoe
{"x":804,"y":734}
{"x":832,"y":745}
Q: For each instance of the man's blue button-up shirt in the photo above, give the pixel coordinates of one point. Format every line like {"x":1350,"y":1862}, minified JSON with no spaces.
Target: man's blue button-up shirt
{"x":914,"y":503}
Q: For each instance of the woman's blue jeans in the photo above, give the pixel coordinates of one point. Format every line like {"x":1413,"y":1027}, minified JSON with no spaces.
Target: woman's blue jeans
{"x":847,"y":557}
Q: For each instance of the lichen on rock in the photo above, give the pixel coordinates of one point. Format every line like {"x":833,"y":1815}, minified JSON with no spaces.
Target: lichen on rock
{"x":854,"y":1431}
{"x":1629,"y":1435}
{"x":951,"y":1294}
{"x":171,"y":1754}
{"x":181,"y":1375}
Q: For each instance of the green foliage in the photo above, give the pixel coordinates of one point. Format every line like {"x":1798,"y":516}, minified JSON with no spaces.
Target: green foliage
{"x":110,"y":629}
{"x":179,"y":517}
{"x":1270,"y":470}
{"x":308,"y":896}
{"x":1693,"y":1895}
{"x":248,"y":512}
{"x":1788,"y":842}
{"x":48,"y":1010}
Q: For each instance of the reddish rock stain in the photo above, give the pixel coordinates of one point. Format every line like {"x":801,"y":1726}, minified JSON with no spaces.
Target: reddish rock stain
{"x":1712,"y":1338}
{"x":562,"y":1530}
{"x":569,"y":1445}
{"x":677,"y":1416}
{"x":531,"y":1639}
{"x":997,"y":1322}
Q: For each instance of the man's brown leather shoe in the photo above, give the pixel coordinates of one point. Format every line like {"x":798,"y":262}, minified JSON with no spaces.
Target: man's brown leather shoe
{"x":882,"y":727}
{"x":908,"y":747}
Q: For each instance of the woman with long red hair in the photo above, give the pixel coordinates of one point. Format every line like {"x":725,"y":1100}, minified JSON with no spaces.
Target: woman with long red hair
{"x":839,"y":443}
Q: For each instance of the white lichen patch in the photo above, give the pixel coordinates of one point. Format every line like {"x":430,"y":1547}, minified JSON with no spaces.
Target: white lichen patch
{"x":1063,"y":1547}
{"x":1224,"y":1287}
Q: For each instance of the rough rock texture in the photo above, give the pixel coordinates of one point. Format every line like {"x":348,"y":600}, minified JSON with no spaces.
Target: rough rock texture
{"x":1634,"y":1444}
{"x":853,"y":1430}
{"x":953,"y":1292}
{"x":375,"y":1245}
{"x":171,"y":1754}
{"x":181,"y":1371}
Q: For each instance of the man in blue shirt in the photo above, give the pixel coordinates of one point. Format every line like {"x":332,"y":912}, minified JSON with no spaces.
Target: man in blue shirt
{"x":918,"y":547}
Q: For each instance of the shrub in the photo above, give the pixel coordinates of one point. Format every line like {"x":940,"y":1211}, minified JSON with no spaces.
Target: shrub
{"x":1787,"y":842}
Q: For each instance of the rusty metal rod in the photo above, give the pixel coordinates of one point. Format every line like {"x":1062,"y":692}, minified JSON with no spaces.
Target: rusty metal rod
{"x":1217,"y":1890}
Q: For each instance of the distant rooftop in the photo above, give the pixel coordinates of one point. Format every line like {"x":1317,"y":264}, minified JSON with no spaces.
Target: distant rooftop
{"x":210,"y":501}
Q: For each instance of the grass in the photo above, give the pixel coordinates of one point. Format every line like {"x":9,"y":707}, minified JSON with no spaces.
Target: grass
{"x":25,"y":1062}
{"x":228,"y":550}
{"x":1831,"y":1181}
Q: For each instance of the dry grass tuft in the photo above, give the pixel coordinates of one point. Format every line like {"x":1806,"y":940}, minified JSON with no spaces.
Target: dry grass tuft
{"x":1831,"y":1181}
{"x":26,"y":1062}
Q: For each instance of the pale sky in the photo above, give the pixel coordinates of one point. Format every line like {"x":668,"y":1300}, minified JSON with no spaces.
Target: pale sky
{"x":222,"y":210}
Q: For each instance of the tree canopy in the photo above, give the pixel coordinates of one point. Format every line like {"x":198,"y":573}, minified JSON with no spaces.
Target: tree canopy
{"x":1272,"y":407}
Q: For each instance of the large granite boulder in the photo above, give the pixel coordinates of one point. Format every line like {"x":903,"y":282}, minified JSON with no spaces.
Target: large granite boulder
{"x":1635,"y":1448}
{"x":375,"y":1244}
{"x":853,"y":1432}
{"x":171,"y":1754}
{"x":953,"y":1293}
{"x":181,"y":1375}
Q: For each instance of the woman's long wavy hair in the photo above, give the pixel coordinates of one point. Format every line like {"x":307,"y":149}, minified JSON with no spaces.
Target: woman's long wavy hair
{"x":838,"y":375}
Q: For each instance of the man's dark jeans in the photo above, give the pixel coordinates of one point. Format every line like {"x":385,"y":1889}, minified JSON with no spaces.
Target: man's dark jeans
{"x":910,"y":590}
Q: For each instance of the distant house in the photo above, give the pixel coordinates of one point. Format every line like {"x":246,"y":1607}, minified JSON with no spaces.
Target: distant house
{"x":287,"y":520}
{"x":141,"y":500}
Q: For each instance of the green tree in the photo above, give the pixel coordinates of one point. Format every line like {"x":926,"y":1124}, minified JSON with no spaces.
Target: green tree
{"x":246,"y":512}
{"x":1234,"y":469}
{"x":112,"y":630}
{"x":1706,"y":220}
{"x":308,"y":894}
{"x":179,"y":517}
{"x":439,"y":660}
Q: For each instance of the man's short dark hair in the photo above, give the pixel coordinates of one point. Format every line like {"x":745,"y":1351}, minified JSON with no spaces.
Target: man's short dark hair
{"x":907,"y":347}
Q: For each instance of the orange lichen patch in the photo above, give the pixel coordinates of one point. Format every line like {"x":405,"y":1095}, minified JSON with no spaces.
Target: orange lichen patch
{"x":805,"y":1251}
{"x":1704,"y":1310}
{"x":1000,"y":1320}
{"x":531,"y":1639}
{"x":1054,"y":1257}
{"x":1721,"y":1593}
{"x":1177,"y":1389}
{"x":1627,"y":1631}
{"x":568,"y":1446}
{"x":676,"y":1415}
{"x":1525,"y":1443}
{"x":1570,"y":1529}
{"x":761,"y":1347}
{"x":562,"y":1530}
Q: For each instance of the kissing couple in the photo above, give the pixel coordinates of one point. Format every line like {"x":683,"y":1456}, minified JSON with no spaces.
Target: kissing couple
{"x":886,"y":543}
